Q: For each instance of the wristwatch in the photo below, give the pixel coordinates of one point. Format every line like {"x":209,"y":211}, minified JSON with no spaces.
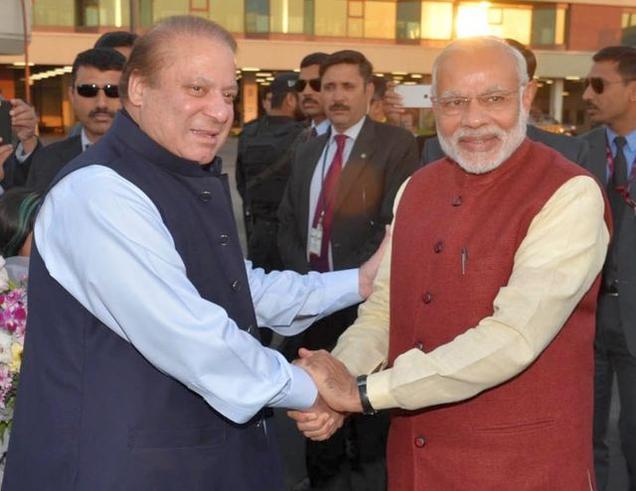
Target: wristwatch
{"x":367,"y":408}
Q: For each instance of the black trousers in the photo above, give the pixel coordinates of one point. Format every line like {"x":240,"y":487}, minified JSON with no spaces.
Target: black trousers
{"x":612,"y":357}
{"x":353,"y":459}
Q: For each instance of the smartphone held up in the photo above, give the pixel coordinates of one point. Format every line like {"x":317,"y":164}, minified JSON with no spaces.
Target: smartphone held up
{"x":5,"y":121}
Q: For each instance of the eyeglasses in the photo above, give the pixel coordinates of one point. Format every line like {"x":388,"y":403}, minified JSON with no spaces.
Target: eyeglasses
{"x":598,"y":84}
{"x":314,"y":83}
{"x":490,"y":101}
{"x":91,"y":90}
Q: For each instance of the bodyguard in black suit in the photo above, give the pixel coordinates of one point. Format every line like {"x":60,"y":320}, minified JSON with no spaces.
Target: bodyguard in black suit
{"x":95,"y":99}
{"x":611,"y":98}
{"x":571,"y":148}
{"x":333,"y":223}
{"x":49,"y":160}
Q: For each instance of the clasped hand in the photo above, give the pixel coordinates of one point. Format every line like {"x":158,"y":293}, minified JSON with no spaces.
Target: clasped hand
{"x":337,"y":395}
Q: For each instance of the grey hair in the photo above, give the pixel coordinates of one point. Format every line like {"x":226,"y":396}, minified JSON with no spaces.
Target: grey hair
{"x":151,"y":52}
{"x":480,"y":42}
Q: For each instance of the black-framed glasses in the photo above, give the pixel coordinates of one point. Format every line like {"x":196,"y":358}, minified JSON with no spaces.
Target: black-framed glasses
{"x":598,"y":84}
{"x":314,"y":83}
{"x":91,"y":90}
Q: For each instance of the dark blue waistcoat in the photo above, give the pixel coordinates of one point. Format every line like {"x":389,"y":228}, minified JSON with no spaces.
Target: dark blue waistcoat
{"x":92,"y":413}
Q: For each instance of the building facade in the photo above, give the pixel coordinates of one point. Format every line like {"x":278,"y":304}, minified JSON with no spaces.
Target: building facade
{"x":400,"y":37}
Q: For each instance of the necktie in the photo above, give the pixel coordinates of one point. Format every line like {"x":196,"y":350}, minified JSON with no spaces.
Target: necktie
{"x":324,"y":208}
{"x":618,"y":179}
{"x":313,"y":133}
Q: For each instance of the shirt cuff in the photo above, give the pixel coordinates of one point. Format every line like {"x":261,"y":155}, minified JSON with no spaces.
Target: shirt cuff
{"x":344,"y":286}
{"x":379,"y":390}
{"x":302,"y":392}
{"x":20,"y":156}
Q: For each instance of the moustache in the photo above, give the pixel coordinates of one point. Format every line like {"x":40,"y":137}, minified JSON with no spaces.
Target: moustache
{"x":97,"y":111}
{"x":481,"y":133}
{"x":339,"y":107}
{"x":590,"y":105}
{"x":308,"y":98}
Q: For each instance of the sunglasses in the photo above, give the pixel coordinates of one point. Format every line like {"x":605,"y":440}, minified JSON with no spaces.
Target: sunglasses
{"x":91,"y":90}
{"x":314,"y":83}
{"x":598,"y":84}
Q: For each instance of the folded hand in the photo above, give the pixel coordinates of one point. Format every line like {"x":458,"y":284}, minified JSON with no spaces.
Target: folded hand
{"x":319,"y":422}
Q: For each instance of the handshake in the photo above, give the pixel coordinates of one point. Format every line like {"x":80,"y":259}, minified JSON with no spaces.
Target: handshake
{"x":338,"y":395}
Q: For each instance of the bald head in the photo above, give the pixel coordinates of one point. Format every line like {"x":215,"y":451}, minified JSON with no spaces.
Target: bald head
{"x":487,"y":47}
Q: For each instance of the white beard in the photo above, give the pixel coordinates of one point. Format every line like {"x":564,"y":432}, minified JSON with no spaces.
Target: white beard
{"x":482,"y":162}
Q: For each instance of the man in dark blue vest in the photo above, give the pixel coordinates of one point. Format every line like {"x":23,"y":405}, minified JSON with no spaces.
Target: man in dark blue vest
{"x":142,"y":367}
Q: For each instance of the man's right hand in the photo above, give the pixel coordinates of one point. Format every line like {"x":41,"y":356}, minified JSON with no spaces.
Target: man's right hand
{"x":319,"y":422}
{"x":24,"y":122}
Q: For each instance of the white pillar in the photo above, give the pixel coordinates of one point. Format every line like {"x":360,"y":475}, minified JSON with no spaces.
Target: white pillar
{"x":556,"y":100}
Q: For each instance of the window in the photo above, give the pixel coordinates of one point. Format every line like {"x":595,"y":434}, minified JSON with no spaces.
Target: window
{"x":257,"y":16}
{"x":331,"y":17}
{"x":287,"y":16}
{"x":308,"y":21}
{"x":437,"y":20}
{"x":407,"y":24}
{"x":165,"y":8}
{"x":87,"y":13}
{"x":506,"y":21}
{"x":629,"y":28}
{"x":114,"y":13}
{"x":355,"y":21}
{"x":379,"y":19}
{"x":229,"y":14}
{"x":548,"y":25}
{"x":54,"y":13}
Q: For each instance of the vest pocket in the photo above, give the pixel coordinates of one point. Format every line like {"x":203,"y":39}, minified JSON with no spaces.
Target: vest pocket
{"x":200,"y":437}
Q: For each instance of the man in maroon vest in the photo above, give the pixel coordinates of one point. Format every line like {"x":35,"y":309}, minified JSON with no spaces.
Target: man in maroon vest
{"x":482,"y":316}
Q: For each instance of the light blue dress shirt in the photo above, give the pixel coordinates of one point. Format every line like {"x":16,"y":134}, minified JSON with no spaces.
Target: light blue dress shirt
{"x":629,"y":149}
{"x":104,"y":241}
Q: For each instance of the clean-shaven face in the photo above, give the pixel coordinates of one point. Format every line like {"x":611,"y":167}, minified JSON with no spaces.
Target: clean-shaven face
{"x":188,"y":106}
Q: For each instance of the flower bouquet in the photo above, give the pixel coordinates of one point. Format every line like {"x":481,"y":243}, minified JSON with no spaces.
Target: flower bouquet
{"x":13,"y":313}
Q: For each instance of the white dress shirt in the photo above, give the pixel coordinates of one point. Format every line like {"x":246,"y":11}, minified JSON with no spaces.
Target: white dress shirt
{"x":322,"y":167}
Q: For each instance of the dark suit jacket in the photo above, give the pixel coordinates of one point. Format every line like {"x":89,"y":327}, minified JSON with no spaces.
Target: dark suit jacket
{"x":573,"y":149}
{"x":16,"y":173}
{"x":382,"y":157}
{"x":48,"y":161}
{"x":624,"y":248}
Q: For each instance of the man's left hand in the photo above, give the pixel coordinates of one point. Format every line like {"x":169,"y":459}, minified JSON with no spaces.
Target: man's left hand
{"x":335,"y":384}
{"x":24,"y":122}
{"x":369,"y":270}
{"x":319,"y":422}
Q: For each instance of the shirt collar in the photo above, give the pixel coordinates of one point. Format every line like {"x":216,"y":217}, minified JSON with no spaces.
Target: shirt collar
{"x":84,"y":139}
{"x":630,"y":139}
{"x":322,"y":127}
{"x":352,"y":132}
